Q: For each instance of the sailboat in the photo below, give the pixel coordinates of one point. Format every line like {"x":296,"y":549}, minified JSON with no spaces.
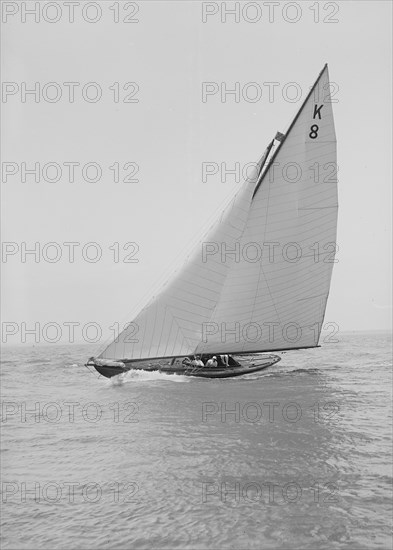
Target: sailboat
{"x":259,"y":280}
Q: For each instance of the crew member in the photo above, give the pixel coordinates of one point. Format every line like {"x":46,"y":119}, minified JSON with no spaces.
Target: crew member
{"x":212,"y":362}
{"x":197,"y":362}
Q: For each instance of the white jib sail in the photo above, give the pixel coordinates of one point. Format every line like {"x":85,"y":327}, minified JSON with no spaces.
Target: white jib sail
{"x":260,"y":280}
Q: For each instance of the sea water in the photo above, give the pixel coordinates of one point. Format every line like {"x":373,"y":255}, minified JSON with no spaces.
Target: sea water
{"x":298,"y":456}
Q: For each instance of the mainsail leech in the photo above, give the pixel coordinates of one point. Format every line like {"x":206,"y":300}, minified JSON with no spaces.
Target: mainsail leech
{"x":260,"y":280}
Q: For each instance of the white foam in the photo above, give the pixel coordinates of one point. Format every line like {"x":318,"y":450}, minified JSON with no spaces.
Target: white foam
{"x":146,"y":376}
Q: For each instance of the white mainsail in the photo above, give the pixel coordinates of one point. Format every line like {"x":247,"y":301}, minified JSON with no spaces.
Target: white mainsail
{"x":260,"y":280}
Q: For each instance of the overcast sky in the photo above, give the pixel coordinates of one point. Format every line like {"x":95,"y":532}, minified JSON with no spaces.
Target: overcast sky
{"x":166,"y":136}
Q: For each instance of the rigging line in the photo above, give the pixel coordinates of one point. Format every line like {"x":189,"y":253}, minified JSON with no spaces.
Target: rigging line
{"x":174,"y":267}
{"x":91,"y":372}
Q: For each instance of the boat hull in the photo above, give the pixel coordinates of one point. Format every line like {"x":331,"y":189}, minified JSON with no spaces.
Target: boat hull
{"x":248,"y":366}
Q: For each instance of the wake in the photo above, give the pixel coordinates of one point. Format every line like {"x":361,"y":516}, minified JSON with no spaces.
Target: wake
{"x":146,"y":376}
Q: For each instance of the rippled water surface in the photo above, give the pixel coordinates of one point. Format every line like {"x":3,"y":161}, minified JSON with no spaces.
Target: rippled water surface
{"x":298,"y":456}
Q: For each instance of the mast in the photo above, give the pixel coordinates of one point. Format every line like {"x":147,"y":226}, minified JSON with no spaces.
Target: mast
{"x":264,"y":158}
